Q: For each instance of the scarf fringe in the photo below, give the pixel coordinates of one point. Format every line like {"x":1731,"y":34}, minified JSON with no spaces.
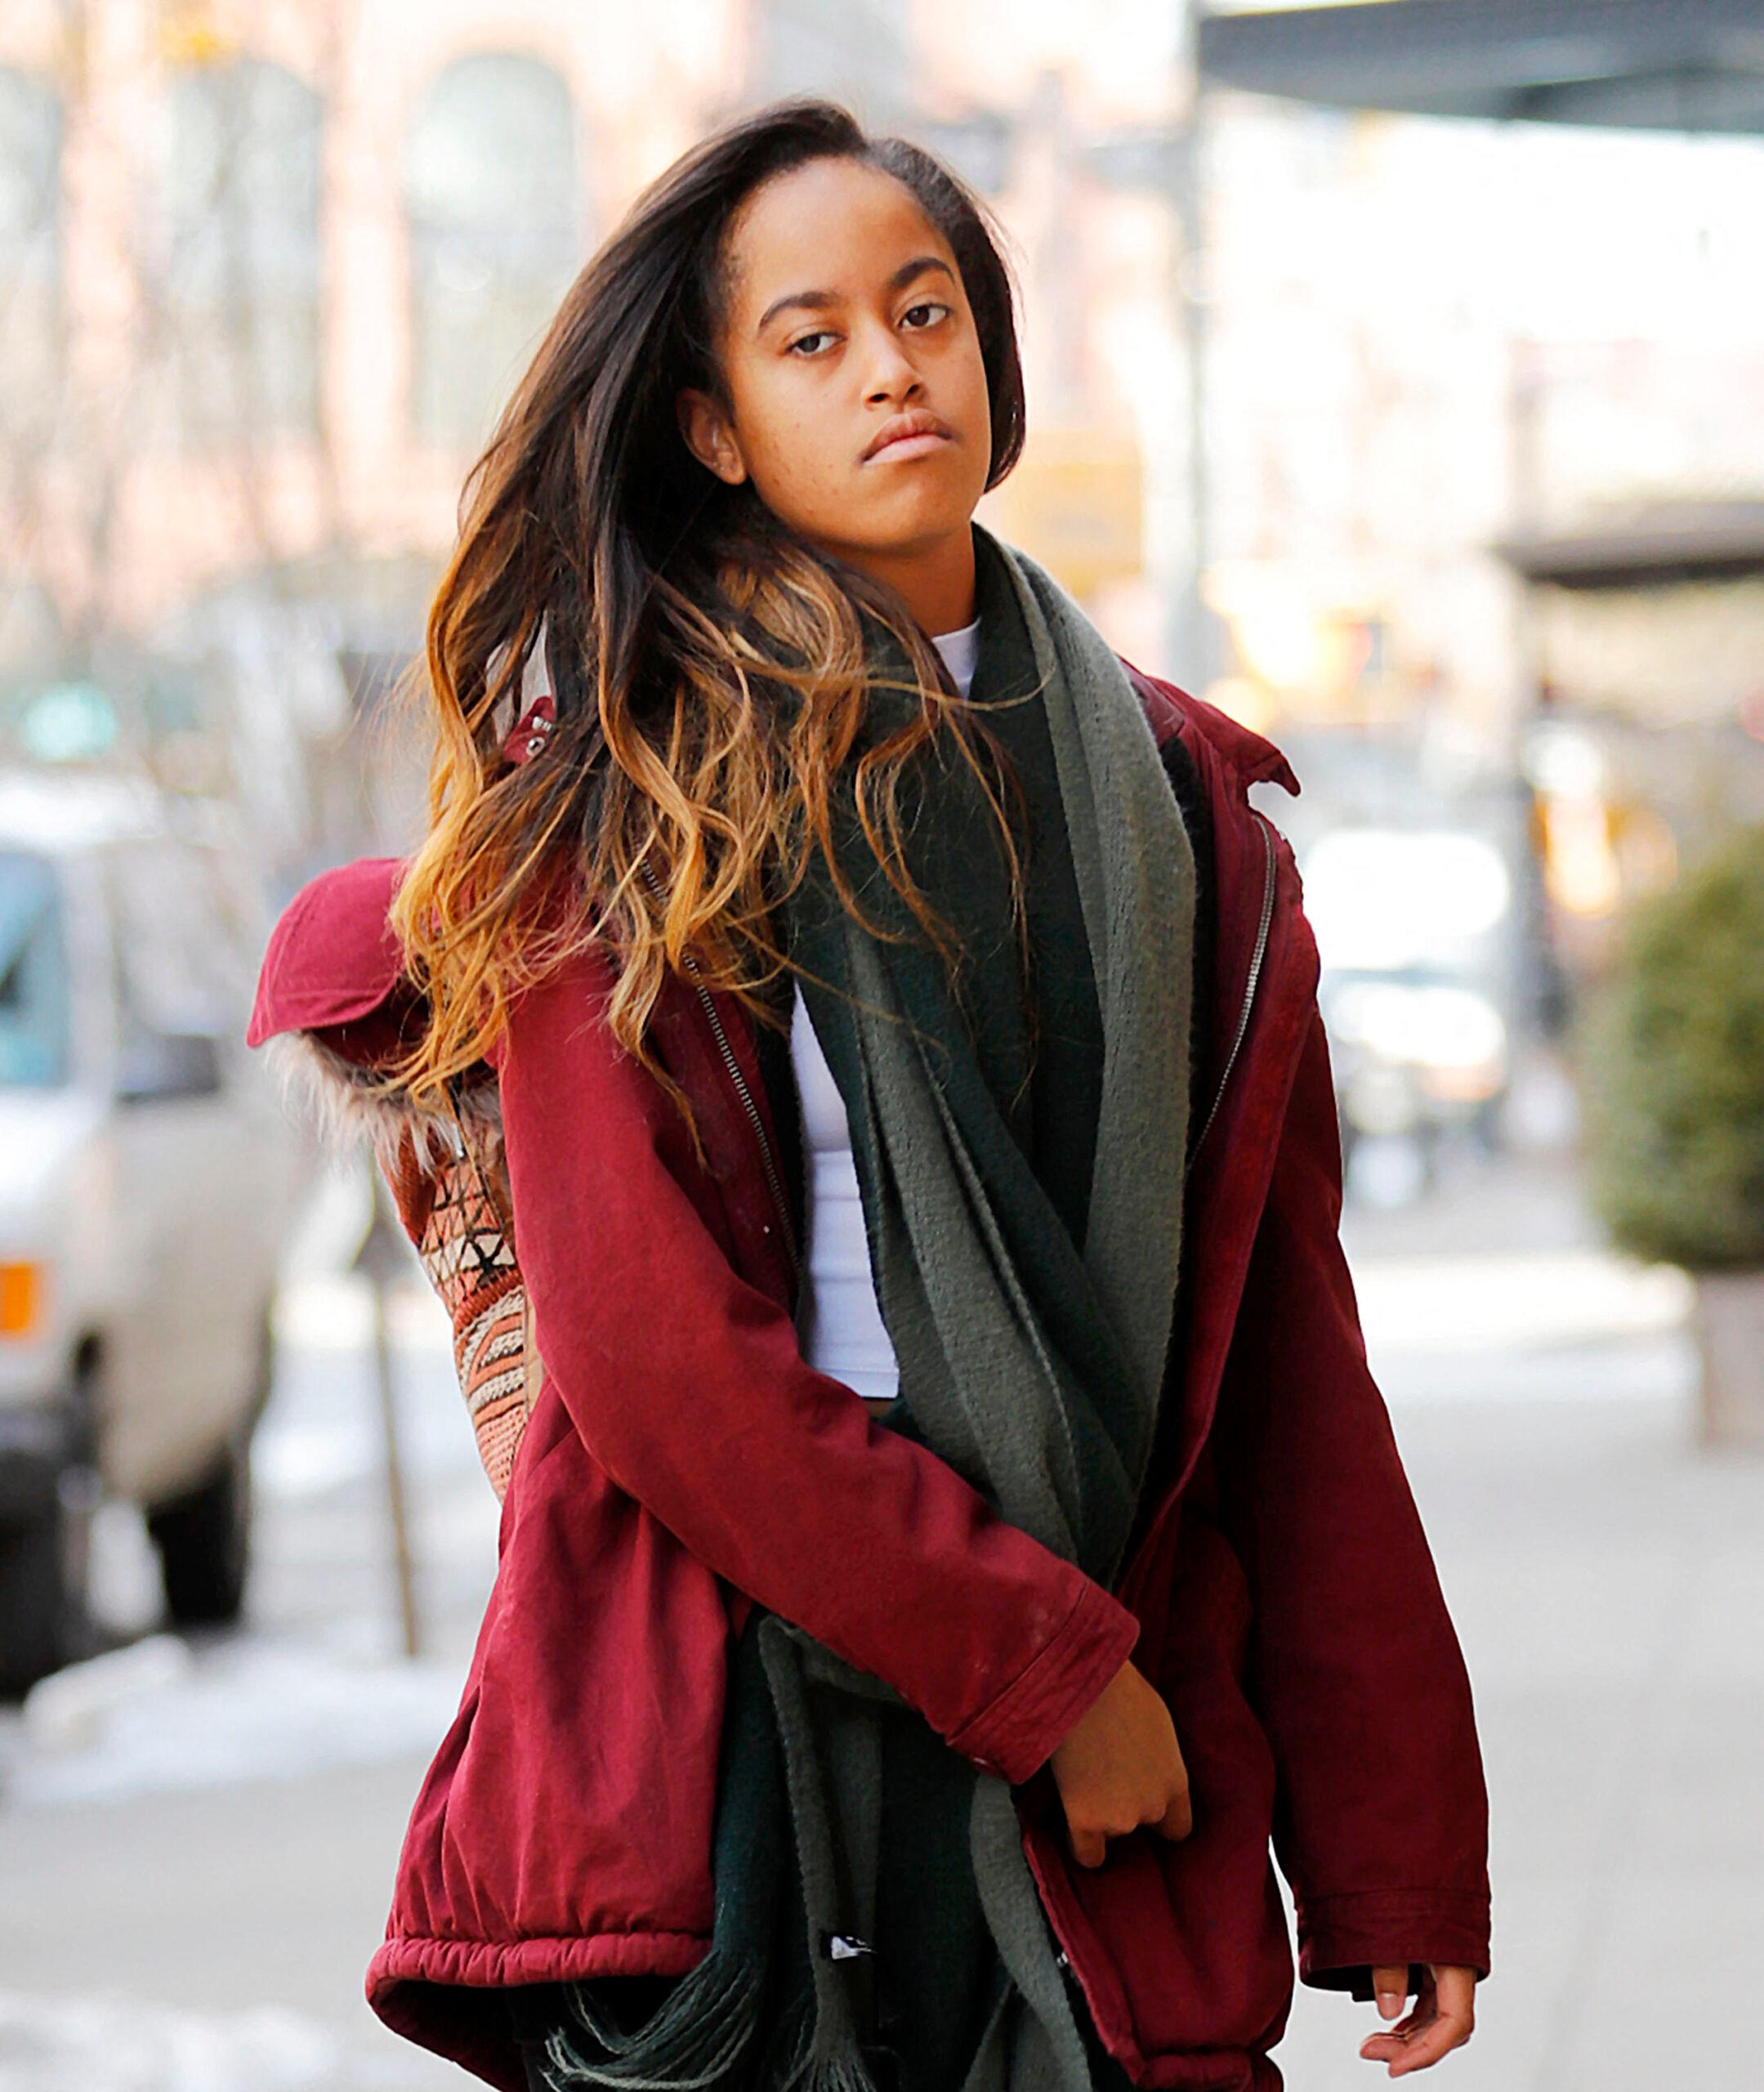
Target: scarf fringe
{"x":690,"y":2044}
{"x":695,"y":2041}
{"x":835,"y":2074}
{"x":841,"y":2071}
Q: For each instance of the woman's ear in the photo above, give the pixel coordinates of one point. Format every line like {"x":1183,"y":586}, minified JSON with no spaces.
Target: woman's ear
{"x":708,"y":436}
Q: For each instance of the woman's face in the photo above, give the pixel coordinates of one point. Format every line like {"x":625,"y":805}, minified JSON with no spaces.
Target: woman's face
{"x":857,"y":399}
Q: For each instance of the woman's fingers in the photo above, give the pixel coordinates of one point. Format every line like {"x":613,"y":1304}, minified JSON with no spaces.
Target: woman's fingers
{"x":1389,"y":1986}
{"x":1089,"y":1848}
{"x":1421,"y":2050}
{"x":1443,"y":2019}
{"x":1119,"y":1769}
{"x":1178,"y":1819}
{"x":1090,"y":1843}
{"x":1457,"y":1988}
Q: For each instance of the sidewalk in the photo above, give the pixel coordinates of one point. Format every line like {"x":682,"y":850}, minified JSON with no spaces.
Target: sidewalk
{"x":1608,"y":1586}
{"x":1607,"y":1582}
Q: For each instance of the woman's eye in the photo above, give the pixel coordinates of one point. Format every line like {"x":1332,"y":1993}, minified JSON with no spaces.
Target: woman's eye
{"x":805,"y":341}
{"x":930,"y":306}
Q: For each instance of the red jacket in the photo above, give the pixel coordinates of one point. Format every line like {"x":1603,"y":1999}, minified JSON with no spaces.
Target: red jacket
{"x":682,"y":1461}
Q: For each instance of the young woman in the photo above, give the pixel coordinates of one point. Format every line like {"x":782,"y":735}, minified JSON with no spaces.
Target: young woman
{"x":955,"y":1531}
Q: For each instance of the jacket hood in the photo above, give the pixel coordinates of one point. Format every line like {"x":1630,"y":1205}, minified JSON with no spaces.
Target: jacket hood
{"x":333,"y":956}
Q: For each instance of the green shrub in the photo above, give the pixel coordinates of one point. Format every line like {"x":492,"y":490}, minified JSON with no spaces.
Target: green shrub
{"x":1672,"y":1063}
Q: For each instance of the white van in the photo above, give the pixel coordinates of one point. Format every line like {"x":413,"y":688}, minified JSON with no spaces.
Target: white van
{"x":146,"y":1178}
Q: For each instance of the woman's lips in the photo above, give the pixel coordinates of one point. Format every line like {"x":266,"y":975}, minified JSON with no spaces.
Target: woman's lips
{"x":908,"y":446}
{"x":909,"y":435}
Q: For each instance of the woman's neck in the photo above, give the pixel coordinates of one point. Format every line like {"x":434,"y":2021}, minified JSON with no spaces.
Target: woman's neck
{"x":935,"y":582}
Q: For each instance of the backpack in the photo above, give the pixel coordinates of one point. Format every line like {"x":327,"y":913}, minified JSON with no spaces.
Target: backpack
{"x":448,"y":1178}
{"x":449,"y":1181}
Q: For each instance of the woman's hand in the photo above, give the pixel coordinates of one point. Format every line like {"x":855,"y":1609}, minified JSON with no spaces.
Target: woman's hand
{"x":1119,"y":1766}
{"x":1444,"y":2018}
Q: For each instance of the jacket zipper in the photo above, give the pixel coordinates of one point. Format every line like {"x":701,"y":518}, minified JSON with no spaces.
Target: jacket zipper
{"x":775,"y":1183}
{"x":1256,"y":957}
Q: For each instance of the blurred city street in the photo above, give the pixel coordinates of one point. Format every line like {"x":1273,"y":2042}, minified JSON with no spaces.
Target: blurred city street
{"x":227,"y":1832}
{"x":1391,"y":384}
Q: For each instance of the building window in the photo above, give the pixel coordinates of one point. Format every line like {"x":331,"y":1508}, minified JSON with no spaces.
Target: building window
{"x":30,"y":254}
{"x":497,"y":234}
{"x":238,"y":300}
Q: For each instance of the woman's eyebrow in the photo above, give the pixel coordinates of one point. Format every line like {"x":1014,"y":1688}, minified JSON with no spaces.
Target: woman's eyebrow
{"x":819,"y":301}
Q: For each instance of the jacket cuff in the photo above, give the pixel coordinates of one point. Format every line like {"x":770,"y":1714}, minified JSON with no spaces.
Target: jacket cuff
{"x":1016,"y":1732}
{"x":1341,"y":1939}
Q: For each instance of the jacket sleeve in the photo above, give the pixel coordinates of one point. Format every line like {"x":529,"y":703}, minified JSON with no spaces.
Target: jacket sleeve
{"x":1380,"y":1824}
{"x":687,"y":1385}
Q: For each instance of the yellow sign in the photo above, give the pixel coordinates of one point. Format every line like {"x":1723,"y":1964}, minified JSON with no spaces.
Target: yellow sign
{"x":189,"y":36}
{"x":1075,"y":501}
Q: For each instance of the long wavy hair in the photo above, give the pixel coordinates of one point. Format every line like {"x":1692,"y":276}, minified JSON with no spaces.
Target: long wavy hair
{"x":708,"y":667}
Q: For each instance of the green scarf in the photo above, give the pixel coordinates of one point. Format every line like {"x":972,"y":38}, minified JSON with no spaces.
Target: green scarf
{"x":1020,"y":1150}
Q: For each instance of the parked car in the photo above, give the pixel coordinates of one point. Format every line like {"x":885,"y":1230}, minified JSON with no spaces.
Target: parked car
{"x":1415,"y":929}
{"x":146,"y":1178}
{"x":1418,"y":1053}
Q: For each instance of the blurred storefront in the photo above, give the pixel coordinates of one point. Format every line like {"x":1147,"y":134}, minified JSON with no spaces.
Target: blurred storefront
{"x":1490,"y":494}
{"x":1647,"y":744}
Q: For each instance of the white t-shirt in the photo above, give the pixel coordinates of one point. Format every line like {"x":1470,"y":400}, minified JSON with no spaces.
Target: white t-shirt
{"x":839,"y":1325}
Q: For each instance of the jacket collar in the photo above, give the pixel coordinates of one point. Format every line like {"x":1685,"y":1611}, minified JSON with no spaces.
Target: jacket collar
{"x":1247,"y":755}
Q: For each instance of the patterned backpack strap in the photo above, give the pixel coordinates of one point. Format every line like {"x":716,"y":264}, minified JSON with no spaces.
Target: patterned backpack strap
{"x":463,"y":1226}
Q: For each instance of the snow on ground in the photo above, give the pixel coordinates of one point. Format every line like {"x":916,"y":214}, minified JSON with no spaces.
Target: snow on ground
{"x":96,"y":2043}
{"x":139,"y":1721}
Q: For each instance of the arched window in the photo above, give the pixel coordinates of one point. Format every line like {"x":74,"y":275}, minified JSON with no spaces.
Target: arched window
{"x":30,"y":251}
{"x":495,"y":233}
{"x":238,"y":299}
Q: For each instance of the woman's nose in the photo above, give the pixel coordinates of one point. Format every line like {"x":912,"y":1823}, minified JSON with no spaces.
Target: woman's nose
{"x":892,"y":374}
